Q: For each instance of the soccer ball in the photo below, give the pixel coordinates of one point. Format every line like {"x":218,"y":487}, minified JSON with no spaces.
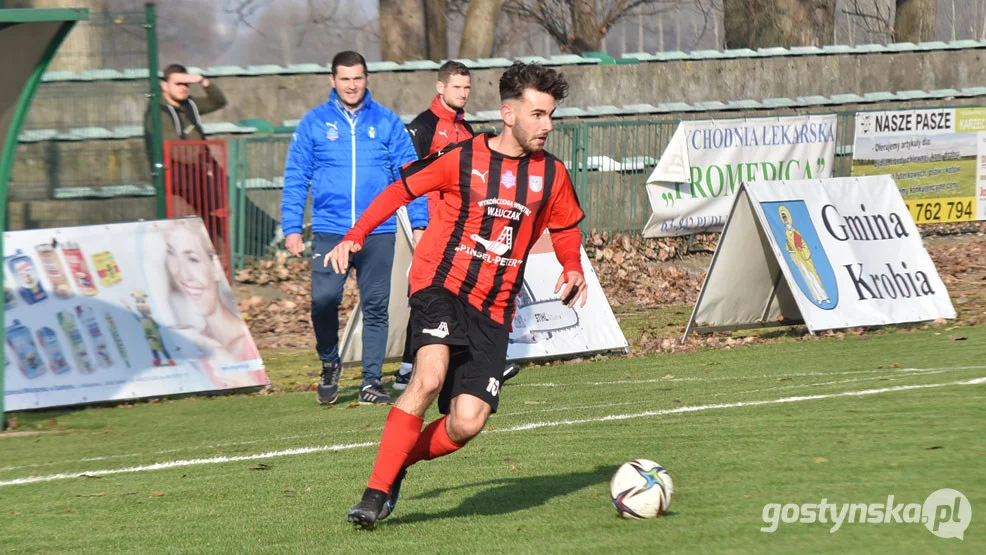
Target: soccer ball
{"x":641,"y":489}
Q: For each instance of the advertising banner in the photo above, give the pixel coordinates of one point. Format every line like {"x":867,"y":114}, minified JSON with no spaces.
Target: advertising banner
{"x":121,"y":311}
{"x":832,"y":253}
{"x":694,"y":183}
{"x":937,"y":157}
{"x":543,"y":327}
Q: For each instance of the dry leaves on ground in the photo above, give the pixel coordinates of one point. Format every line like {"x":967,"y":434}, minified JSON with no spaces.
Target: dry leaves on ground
{"x":635,"y":273}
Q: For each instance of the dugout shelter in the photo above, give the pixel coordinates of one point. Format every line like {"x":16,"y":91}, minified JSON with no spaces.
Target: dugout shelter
{"x":35,"y":36}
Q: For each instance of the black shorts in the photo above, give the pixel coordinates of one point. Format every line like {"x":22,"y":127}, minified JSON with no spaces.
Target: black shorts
{"x":477,"y":344}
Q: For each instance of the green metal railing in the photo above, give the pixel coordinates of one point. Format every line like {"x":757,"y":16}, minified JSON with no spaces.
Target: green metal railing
{"x":256,"y":179}
{"x":616,"y":158}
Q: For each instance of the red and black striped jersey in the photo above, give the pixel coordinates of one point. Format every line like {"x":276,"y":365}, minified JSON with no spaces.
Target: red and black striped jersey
{"x":436,"y":128}
{"x":491,"y":210}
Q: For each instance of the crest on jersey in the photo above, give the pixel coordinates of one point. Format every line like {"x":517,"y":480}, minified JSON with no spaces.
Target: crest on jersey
{"x":372,"y":132}
{"x":535,"y":183}
{"x":508,"y":179}
{"x":332,"y":133}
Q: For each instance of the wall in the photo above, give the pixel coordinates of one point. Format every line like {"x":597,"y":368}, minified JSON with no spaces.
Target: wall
{"x":284,"y":97}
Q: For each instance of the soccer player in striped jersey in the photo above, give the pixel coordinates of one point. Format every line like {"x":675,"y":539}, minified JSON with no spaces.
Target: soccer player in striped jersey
{"x":497,"y":195}
{"x":441,"y":125}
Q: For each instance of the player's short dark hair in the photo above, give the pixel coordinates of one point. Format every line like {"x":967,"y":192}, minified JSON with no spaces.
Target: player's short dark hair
{"x":348,"y":58}
{"x":520,"y":77}
{"x":451,"y":68}
{"x":173,"y":69}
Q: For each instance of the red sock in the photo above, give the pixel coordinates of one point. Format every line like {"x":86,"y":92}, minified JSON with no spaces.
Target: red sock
{"x":399,"y":436}
{"x":433,"y":442}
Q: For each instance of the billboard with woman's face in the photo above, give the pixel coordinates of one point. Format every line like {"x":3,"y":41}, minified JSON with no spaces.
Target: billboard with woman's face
{"x":121,"y":311}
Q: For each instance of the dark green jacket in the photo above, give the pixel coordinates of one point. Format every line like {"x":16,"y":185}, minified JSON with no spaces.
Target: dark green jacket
{"x":175,"y":121}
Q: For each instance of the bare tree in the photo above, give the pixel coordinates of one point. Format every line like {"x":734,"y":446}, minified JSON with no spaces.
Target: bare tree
{"x":874,"y":17}
{"x":898,"y":20}
{"x":263,"y":31}
{"x":915,"y":20}
{"x":402,"y":30}
{"x":767,"y":23}
{"x":489,"y":31}
{"x":480,"y":26}
{"x":436,"y":29}
{"x":579,"y":26}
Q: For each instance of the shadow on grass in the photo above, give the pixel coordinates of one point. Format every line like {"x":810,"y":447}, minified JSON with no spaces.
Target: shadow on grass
{"x":507,"y":495}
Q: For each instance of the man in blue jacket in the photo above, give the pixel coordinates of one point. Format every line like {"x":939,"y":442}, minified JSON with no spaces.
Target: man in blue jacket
{"x":346,"y":152}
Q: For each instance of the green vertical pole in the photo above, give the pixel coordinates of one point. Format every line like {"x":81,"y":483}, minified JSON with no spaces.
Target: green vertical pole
{"x":231,"y":221}
{"x":241,"y":192}
{"x":157,"y":147}
{"x":10,"y":149}
{"x":235,"y":178}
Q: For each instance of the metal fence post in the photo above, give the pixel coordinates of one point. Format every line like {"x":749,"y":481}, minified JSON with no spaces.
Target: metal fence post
{"x":153,"y":110}
{"x":241,"y":192}
{"x":581,"y":160}
{"x":234,"y":146}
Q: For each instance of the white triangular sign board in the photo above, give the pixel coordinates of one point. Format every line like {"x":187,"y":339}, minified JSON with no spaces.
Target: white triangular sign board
{"x":744,"y":286}
{"x":835,"y":253}
{"x":351,"y":351}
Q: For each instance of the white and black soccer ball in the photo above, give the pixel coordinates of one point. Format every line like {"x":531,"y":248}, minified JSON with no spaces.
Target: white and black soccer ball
{"x":641,"y":489}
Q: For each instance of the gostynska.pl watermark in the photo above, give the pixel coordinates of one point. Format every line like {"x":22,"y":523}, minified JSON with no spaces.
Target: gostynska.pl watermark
{"x":946,"y":513}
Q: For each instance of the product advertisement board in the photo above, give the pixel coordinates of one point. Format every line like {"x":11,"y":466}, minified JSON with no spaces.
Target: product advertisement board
{"x":123,"y":311}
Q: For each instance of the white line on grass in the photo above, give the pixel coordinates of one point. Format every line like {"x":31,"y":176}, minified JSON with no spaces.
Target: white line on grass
{"x":530,"y":426}
{"x":190,"y":462}
{"x":739,"y":404}
{"x":162,"y":452}
{"x":888,"y":377}
{"x":901,"y":372}
{"x":735,"y":378}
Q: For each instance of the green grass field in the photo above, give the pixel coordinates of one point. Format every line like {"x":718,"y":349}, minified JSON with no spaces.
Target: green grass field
{"x":851,"y":421}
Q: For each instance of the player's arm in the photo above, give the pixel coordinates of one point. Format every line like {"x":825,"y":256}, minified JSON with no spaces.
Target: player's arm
{"x":568,"y":250}
{"x":563,"y":226}
{"x":417,"y":179}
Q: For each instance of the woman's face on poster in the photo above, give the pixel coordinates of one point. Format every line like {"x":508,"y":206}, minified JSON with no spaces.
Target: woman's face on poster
{"x":191,"y":268}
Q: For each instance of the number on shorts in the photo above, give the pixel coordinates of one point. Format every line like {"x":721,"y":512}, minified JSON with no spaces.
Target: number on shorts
{"x":493,"y":387}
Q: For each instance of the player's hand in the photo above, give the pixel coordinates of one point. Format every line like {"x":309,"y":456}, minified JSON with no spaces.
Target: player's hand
{"x":416,"y":236}
{"x":339,"y":257}
{"x":572,"y":287}
{"x":294,"y":244}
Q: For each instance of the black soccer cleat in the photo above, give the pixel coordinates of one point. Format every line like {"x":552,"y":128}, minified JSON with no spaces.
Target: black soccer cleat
{"x":510,"y":371}
{"x":328,"y":383}
{"x":367,"y":512}
{"x":395,"y":492}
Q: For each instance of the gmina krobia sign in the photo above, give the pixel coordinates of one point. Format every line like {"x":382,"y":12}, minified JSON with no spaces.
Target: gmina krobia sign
{"x":829,"y":253}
